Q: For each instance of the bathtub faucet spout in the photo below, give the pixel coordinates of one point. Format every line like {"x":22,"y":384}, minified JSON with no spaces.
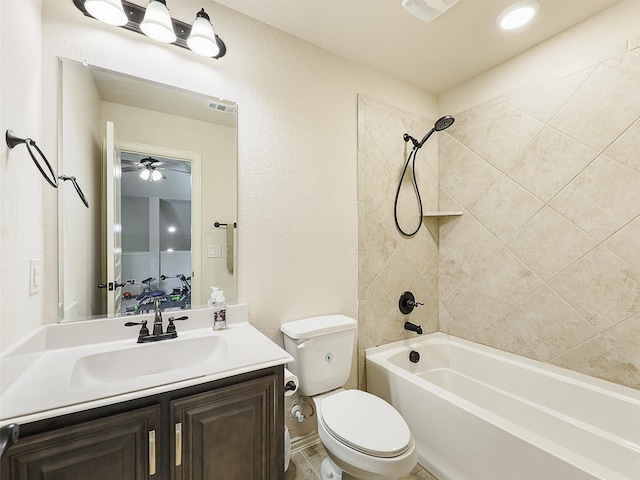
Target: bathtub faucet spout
{"x":413,"y":328}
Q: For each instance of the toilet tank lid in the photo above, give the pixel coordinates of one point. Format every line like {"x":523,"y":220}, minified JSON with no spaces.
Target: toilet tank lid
{"x":315,"y":326}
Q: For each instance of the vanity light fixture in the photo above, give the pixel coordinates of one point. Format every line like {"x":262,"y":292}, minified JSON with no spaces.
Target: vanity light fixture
{"x":518,"y":14}
{"x":107,"y":11}
{"x":155,"y":22}
{"x":203,"y":39}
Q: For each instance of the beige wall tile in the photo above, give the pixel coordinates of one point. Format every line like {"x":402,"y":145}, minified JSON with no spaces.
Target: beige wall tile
{"x":498,"y":134}
{"x":625,"y":148}
{"x":376,"y":174}
{"x":448,"y":204}
{"x":503,"y":336}
{"x":463,"y":174}
{"x":602,"y":287}
{"x":601,"y":359}
{"x":550,"y":162}
{"x":469,"y":244}
{"x":450,"y":275}
{"x":505,"y":208}
{"x":549,"y":324}
{"x":605,"y":105}
{"x":626,"y":338}
{"x":548,"y":243}
{"x":603,"y":198}
{"x":505,"y":280}
{"x":377,"y":246}
{"x":470,"y":307}
{"x":626,"y":242}
{"x":544,"y":102}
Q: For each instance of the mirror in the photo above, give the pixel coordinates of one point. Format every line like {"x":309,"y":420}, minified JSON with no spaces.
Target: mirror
{"x":158,"y":166}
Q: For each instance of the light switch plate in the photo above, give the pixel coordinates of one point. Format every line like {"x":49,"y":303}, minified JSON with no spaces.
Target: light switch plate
{"x":34,"y":276}
{"x":214,"y":251}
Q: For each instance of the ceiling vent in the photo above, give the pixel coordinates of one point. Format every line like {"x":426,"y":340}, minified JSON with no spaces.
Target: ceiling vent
{"x":428,"y":10}
{"x":221,"y":107}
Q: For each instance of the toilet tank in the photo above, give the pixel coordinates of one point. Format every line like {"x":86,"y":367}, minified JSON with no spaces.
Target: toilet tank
{"x":323,"y":351}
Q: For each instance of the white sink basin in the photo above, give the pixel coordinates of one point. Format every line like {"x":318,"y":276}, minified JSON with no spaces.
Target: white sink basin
{"x":147,"y":359}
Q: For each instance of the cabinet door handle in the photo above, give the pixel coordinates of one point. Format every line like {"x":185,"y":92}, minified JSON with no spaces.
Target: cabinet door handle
{"x":178,"y":444}
{"x":152,"y":452}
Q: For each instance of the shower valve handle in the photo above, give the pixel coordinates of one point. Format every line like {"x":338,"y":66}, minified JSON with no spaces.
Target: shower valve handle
{"x":407,"y":303}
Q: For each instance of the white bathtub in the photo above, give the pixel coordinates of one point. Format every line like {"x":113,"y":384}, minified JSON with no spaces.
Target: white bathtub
{"x":482,"y":414}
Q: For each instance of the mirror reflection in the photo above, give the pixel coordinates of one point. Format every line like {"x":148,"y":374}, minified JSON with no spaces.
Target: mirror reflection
{"x":160,"y":169}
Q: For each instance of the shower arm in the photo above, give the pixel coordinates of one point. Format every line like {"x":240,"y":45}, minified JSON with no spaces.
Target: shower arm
{"x":418,"y":145}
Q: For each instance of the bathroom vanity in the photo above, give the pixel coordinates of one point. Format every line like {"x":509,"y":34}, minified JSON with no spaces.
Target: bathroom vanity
{"x":84,"y":414}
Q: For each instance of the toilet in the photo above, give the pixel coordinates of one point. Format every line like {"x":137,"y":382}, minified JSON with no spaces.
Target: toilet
{"x":364,"y":436}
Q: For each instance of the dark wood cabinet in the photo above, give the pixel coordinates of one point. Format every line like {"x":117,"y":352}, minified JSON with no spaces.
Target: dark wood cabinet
{"x":227,"y":433}
{"x":120,"y":446}
{"x":224,"y":430}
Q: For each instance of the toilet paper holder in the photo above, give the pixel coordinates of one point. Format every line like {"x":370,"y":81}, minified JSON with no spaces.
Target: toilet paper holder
{"x":290,"y":385}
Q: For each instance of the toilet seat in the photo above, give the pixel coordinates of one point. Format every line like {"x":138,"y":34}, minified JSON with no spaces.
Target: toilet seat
{"x":365,"y":423}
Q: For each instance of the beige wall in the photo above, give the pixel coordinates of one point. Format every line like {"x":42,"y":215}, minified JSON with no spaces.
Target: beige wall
{"x":544,"y":262}
{"x":21,"y":186}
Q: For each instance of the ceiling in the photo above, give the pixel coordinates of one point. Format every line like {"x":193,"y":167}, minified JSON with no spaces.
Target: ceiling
{"x":461,"y":44}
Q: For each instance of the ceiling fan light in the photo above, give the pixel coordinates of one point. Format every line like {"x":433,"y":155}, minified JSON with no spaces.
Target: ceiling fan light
{"x":518,"y":14}
{"x":107,"y":11}
{"x":157,"y":22}
{"x":202,"y":39}
{"x":157,"y":176}
{"x":145,"y":174}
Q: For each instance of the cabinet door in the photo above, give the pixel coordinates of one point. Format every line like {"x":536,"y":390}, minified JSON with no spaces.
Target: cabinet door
{"x":232,"y":433}
{"x":117,"y":447}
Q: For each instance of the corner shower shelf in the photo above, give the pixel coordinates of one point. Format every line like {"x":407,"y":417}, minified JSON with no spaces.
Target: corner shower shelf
{"x":442,"y":214}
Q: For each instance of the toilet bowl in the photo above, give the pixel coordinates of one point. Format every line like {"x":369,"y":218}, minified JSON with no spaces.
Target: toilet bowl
{"x":364,"y":437}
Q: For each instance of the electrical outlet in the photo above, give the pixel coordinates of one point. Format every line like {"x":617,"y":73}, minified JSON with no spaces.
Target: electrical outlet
{"x":34,"y":276}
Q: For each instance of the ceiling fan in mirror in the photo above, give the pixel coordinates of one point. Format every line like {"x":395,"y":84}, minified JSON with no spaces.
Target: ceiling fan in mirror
{"x":149,"y":168}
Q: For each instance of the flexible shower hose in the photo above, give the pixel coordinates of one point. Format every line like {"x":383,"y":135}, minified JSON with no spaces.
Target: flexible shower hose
{"x":411,"y":158}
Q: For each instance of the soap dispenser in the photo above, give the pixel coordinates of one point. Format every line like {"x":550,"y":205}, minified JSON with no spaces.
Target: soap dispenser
{"x":212,"y":298}
{"x":220,"y":312}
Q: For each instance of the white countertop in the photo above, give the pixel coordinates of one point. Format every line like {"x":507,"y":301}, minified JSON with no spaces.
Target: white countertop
{"x":36,"y":375}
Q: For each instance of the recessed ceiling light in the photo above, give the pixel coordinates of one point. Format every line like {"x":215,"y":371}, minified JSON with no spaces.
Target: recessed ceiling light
{"x":518,"y":14}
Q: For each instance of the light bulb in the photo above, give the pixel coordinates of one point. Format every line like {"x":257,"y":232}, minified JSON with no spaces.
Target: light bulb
{"x":202,"y":39}
{"x":107,"y":11}
{"x":156,"y":176}
{"x":145,"y":174}
{"x":518,"y":14}
{"x":157,"y":22}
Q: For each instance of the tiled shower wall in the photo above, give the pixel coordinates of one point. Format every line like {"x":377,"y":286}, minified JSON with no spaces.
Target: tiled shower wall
{"x":545,"y":261}
{"x":389,"y":263}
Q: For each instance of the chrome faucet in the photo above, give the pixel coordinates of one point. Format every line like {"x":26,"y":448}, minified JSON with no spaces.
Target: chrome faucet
{"x":157,"y":321}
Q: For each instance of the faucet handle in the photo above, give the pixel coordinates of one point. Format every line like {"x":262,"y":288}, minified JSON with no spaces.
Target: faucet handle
{"x":144,"y":331}
{"x":407,"y":303}
{"x":171,"y":327}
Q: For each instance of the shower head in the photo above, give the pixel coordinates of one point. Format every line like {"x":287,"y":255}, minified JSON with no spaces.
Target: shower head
{"x":443,"y":123}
